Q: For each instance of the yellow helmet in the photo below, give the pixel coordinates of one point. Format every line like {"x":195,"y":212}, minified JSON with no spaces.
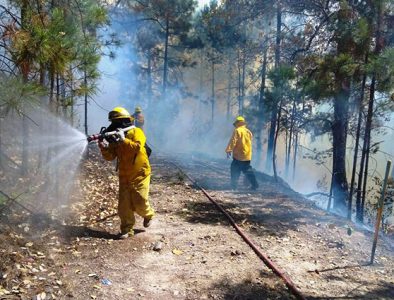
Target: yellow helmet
{"x":239,"y":119}
{"x":118,"y":113}
{"x":138,"y":109}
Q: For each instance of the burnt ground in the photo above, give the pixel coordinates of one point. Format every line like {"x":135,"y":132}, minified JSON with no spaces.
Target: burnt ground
{"x":72,"y":251}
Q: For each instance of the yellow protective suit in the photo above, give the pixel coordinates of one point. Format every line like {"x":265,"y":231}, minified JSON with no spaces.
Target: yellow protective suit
{"x":134,"y":178}
{"x":240,"y":143}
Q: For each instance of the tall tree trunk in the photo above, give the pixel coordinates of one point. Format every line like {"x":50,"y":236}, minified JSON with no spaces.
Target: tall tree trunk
{"x":339,"y":134}
{"x":41,"y":118}
{"x":72,"y":98}
{"x":149,"y":79}
{"x":365,"y":182}
{"x":201,"y":84}
{"x":85,"y":81}
{"x":51,"y":90}
{"x":239,"y":82}
{"x":165,"y":71}
{"x":274,"y":112}
{"x":360,"y":180}
{"x":213,"y":90}
{"x":341,"y":114}
{"x":355,"y":156}
{"x":58,"y":104}
{"x":260,"y":121}
{"x":295,"y":152}
{"x":296,"y":143}
{"x":293,"y":111}
{"x":276,"y":140}
{"x":229,"y":87}
{"x":241,"y":112}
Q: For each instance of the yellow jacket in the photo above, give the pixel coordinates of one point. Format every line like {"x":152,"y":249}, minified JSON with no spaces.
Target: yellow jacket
{"x":134,"y":164}
{"x":240,"y":143}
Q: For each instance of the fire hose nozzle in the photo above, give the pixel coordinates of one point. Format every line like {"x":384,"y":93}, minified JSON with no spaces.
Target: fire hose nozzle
{"x":103,"y":134}
{"x":94,"y":137}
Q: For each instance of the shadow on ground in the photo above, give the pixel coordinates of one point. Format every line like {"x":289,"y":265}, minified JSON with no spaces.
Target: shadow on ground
{"x":252,"y":290}
{"x":263,"y":214}
{"x":42,"y":222}
{"x":384,"y":290}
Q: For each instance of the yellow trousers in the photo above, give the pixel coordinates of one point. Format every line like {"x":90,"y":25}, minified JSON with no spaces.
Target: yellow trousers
{"x":133,"y":199}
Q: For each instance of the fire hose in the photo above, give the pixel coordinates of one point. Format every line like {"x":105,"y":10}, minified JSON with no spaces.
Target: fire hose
{"x":268,"y":262}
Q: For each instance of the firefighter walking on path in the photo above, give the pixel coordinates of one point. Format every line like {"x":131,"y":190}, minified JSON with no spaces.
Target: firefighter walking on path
{"x":134,"y":170}
{"x":240,"y":146}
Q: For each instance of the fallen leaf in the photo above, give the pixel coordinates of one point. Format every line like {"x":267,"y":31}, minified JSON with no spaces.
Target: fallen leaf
{"x":177,"y":251}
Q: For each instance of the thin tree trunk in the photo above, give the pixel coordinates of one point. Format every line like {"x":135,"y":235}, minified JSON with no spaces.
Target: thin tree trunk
{"x":241,"y":112}
{"x":239,"y":83}
{"x":72,"y":98}
{"x":213,"y":91}
{"x":229,"y":84}
{"x":260,"y":121}
{"x":51,"y":89}
{"x":201,"y":83}
{"x":149,"y":79}
{"x":165,"y":71}
{"x":85,"y":81}
{"x":41,"y":118}
{"x":365,"y":181}
{"x":57,"y":94}
{"x":276,"y":140}
{"x":290,"y":138}
{"x":296,"y":144}
{"x":360,"y":180}
{"x":295,"y":155}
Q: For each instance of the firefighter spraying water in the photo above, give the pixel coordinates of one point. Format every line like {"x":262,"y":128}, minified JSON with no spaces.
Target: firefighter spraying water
{"x":127,"y":143}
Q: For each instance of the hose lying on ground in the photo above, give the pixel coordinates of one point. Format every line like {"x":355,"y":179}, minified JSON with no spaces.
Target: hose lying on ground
{"x":269,"y":263}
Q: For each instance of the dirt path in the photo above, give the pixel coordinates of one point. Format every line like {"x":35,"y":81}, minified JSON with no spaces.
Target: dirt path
{"x":201,"y":256}
{"x":198,"y":260}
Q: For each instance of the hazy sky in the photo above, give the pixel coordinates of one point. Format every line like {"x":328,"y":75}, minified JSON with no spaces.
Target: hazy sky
{"x":201,"y":3}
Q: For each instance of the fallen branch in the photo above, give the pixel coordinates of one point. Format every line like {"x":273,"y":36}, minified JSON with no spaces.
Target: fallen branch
{"x":13,"y":200}
{"x":8,"y":158}
{"x":106,"y":218}
{"x":316,"y":193}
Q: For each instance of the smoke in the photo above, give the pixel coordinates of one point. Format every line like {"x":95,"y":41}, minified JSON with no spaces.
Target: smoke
{"x":39,"y":161}
{"x":179,"y":122}
{"x":182,"y":120}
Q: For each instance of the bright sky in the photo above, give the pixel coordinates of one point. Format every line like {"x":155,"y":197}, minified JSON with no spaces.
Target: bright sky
{"x":201,"y":3}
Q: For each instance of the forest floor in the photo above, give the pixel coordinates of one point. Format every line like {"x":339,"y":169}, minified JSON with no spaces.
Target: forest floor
{"x":71,"y":251}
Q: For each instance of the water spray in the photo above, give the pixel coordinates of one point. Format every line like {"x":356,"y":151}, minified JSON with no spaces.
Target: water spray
{"x":104,"y":134}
